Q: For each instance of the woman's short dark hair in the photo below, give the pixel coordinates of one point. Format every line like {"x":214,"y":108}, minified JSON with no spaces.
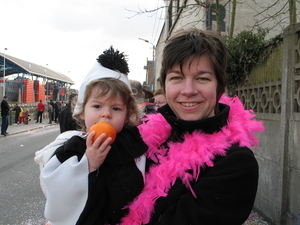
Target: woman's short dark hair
{"x":190,"y":44}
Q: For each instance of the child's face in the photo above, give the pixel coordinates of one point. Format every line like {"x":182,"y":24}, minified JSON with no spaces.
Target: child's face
{"x":113,"y":111}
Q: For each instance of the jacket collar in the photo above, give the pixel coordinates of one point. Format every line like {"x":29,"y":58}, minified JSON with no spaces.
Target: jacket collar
{"x":207,"y":125}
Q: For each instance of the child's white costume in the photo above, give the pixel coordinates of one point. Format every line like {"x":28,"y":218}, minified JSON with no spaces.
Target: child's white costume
{"x":76,"y":196}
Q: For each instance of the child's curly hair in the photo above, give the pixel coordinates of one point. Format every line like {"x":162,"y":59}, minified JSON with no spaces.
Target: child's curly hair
{"x":113,"y":87}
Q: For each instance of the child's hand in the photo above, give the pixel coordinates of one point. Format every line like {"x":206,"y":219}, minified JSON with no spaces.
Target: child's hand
{"x":97,"y":152}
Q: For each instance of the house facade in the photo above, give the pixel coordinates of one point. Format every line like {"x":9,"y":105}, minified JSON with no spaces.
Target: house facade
{"x":250,"y":14}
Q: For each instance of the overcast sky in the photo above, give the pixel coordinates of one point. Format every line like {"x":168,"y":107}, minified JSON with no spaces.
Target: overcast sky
{"x":68,"y":35}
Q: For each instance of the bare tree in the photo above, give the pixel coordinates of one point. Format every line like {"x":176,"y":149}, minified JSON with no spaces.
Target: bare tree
{"x":275,"y":12}
{"x":194,"y":8}
{"x":286,"y":9}
{"x":292,"y":10}
{"x":232,"y":19}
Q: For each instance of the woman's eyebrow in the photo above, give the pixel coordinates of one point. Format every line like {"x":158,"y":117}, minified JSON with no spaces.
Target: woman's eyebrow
{"x":174,"y":71}
{"x":205,"y":71}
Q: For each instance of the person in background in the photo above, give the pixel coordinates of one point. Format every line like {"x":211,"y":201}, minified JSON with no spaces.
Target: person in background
{"x":53,"y":106}
{"x":4,"y":114}
{"x":87,"y":182}
{"x":49,"y":109}
{"x":18,"y":110}
{"x":200,"y":166}
{"x":63,"y":104}
{"x":65,"y":118}
{"x":148,"y":94}
{"x":159,"y":97}
{"x":22,"y":115}
{"x":40,"y":110}
{"x":139,"y":93}
{"x":57,"y":109}
{"x":26,"y":116}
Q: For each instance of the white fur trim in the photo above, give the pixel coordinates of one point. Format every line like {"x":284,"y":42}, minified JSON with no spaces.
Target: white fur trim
{"x":66,"y":189}
{"x":43,"y":156}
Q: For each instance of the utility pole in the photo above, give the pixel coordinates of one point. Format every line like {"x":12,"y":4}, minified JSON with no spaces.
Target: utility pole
{"x":153,"y":61}
{"x":4,"y":73}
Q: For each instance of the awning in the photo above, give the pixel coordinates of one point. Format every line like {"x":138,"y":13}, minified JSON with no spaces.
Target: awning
{"x":14,"y":65}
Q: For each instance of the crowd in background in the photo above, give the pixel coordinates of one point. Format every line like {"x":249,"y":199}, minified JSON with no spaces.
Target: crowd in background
{"x":60,"y":112}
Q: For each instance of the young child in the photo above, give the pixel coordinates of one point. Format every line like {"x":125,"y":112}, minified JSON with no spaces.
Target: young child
{"x":91,"y":183}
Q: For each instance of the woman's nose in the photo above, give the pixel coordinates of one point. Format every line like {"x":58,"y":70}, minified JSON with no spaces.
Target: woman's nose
{"x":189,"y":87}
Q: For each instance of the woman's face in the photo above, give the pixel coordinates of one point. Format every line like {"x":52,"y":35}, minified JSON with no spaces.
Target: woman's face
{"x":113,"y":111}
{"x":192,"y":92}
{"x":160,"y":100}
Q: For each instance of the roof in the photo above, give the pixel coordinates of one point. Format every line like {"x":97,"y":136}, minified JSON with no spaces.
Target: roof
{"x":14,"y":65}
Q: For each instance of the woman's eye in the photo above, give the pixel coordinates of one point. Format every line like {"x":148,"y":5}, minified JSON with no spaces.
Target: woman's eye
{"x":203,"y":79}
{"x":175,"y":78}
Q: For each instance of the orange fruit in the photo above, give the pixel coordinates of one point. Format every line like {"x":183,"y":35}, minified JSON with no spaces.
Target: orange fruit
{"x":103,"y":127}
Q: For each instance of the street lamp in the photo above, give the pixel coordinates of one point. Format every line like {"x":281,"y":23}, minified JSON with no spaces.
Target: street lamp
{"x":153,"y":59}
{"x":4,"y":73}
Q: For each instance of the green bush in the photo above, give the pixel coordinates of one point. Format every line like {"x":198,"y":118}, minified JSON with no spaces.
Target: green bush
{"x":243,"y":52}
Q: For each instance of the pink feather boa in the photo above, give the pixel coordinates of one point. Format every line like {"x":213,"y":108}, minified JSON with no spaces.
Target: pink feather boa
{"x":197,"y":150}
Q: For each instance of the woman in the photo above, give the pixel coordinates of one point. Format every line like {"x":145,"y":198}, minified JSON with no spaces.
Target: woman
{"x":201,"y":170}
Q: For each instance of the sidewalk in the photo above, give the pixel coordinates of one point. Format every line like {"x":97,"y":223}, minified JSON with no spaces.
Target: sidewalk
{"x":32,"y":125}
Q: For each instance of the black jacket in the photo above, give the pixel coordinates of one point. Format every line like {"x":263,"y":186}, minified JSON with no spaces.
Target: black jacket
{"x":4,"y":108}
{"x":225,"y":192}
{"x":116,"y":183}
{"x":66,"y":120}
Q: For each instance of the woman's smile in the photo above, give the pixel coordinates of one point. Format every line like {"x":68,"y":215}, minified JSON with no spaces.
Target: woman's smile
{"x":189,"y":104}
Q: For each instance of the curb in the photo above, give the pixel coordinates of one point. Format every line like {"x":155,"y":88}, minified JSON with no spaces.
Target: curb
{"x":27,"y":130}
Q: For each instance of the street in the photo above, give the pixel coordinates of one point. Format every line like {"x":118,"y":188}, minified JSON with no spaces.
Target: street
{"x":22,"y":201}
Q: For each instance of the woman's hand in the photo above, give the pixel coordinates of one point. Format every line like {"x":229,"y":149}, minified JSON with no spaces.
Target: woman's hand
{"x":96,"y":152}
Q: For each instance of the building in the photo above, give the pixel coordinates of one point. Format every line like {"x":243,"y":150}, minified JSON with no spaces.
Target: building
{"x":182,"y":14}
{"x":27,"y":82}
{"x":149,"y":73}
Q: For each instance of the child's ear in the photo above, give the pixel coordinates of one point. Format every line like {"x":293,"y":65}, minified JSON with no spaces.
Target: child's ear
{"x":81,"y":116}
